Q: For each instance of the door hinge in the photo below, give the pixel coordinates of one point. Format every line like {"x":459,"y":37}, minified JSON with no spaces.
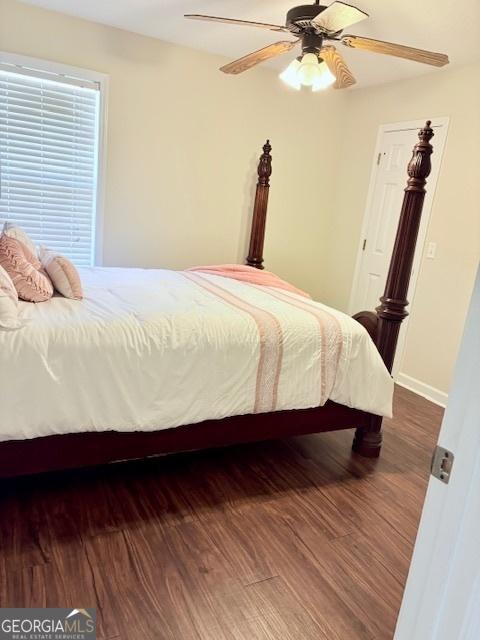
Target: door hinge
{"x":364,"y":244}
{"x":442,"y":463}
{"x":379,"y":157}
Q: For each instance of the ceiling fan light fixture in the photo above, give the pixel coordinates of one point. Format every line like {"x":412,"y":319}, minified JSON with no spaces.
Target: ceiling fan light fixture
{"x":290,"y":75}
{"x":308,"y":71}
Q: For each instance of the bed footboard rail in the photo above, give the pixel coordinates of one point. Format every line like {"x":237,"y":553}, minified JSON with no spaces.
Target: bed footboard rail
{"x":369,"y":320}
{"x":384,"y":325}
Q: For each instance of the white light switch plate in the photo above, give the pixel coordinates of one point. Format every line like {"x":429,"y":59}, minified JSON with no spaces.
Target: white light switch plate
{"x":431,"y":250}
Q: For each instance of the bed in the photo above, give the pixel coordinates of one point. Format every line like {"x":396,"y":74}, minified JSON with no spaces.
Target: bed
{"x":155,"y":361}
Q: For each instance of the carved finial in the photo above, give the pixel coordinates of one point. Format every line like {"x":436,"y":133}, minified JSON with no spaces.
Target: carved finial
{"x":420,"y":166}
{"x":265,"y":165}
{"x":426,"y":134}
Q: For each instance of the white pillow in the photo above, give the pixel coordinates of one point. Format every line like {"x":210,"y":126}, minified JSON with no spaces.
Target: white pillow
{"x":8,"y":302}
{"x":12,"y":231}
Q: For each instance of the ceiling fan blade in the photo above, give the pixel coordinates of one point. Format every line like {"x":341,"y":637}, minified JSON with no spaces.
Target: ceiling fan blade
{"x":338,"y":67}
{"x":398,"y":50}
{"x":244,"y":23}
{"x":250,"y":60}
{"x":338,"y":16}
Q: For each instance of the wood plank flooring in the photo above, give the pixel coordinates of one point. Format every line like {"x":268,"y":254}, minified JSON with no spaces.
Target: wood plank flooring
{"x":289,"y":540}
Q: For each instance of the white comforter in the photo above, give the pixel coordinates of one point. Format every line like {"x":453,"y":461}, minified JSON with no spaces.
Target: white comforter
{"x":153,"y":349}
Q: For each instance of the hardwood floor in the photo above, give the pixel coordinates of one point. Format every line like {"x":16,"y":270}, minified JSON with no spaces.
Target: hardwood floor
{"x":295,"y":539}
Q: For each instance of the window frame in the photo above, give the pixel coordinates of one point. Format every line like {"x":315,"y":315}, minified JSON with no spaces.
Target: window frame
{"x":48,"y":67}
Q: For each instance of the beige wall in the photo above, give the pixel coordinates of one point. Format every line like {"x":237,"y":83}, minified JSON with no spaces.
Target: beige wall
{"x":444,"y":284}
{"x":183,"y":143}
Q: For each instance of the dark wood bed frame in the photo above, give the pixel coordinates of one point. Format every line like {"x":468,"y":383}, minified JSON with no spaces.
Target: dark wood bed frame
{"x":20,"y":457}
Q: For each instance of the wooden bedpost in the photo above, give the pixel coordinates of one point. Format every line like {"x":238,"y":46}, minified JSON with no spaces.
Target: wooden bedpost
{"x":257,"y":233}
{"x":393,"y":303}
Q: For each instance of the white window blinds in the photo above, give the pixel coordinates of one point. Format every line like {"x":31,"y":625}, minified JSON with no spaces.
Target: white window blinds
{"x":48,"y":160}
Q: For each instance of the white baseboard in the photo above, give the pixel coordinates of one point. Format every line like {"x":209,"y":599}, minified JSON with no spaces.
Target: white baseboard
{"x":422,"y":389}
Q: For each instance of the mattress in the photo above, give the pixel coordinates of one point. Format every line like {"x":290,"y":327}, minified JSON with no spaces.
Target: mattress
{"x":151,"y":349}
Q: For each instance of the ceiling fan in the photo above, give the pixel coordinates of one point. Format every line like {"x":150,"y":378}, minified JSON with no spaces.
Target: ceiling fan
{"x":320,"y":65}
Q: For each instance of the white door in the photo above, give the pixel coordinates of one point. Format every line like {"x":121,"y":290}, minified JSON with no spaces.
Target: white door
{"x":442,"y":596}
{"x":387,"y":183}
{"x":377,"y":243}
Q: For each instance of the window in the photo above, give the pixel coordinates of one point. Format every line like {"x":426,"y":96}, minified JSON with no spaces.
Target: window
{"x":49,"y":157}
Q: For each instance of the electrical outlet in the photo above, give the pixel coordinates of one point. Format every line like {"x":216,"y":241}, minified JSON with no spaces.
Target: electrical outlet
{"x":431,"y":250}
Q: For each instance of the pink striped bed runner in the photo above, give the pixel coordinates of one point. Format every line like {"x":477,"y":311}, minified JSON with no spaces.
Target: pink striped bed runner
{"x":271,"y":335}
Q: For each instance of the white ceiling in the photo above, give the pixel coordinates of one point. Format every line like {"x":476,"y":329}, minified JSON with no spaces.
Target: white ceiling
{"x":447,"y":26}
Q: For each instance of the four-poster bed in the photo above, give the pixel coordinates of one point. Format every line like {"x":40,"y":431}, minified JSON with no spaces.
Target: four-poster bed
{"x":70,"y":450}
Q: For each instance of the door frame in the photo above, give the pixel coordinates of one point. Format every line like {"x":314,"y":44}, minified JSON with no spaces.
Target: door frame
{"x":439,"y":124}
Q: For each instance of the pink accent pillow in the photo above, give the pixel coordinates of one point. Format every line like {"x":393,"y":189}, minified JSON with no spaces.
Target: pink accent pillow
{"x":12,"y":231}
{"x":62,"y":273}
{"x":8,"y":302}
{"x":24,"y":269}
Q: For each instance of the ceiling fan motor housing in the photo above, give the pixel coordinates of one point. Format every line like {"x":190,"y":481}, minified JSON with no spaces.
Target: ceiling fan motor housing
{"x":311,"y":43}
{"x":299,"y":18}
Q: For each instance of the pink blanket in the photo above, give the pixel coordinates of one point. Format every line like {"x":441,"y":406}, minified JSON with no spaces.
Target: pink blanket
{"x":250,"y":275}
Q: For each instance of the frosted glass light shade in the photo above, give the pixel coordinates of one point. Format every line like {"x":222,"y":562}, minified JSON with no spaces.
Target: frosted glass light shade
{"x":290,"y":76}
{"x":324,"y":77}
{"x":308,"y":69}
